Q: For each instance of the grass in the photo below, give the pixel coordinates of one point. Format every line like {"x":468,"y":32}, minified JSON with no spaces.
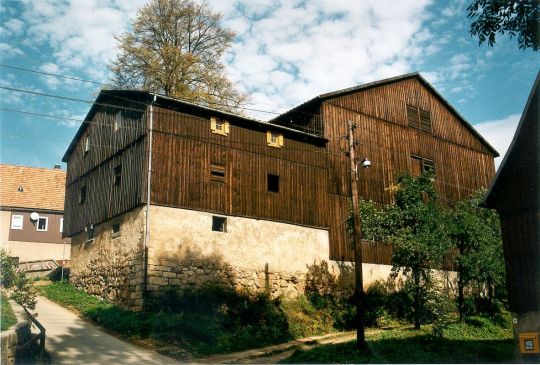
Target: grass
{"x":203,"y":322}
{"x":7,"y":318}
{"x":479,"y":340}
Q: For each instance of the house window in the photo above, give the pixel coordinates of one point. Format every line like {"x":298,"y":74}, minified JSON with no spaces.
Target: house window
{"x":86,"y":144}
{"x":274,"y":139}
{"x":89,"y":233}
{"x":420,"y":165}
{"x":61,"y":224}
{"x":16,"y":222}
{"x":418,"y":118}
{"x":273,"y":183}
{"x":118,"y":175}
{"x":219,"y":126}
{"x":115,"y":230}
{"x":217,"y":172}
{"x":82,"y":195}
{"x":219,"y":224}
{"x":42,"y":223}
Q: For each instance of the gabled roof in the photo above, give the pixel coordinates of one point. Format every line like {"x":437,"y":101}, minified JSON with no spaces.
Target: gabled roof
{"x":42,"y":189}
{"x":526,"y":138}
{"x":334,"y":94}
{"x":142,"y":99}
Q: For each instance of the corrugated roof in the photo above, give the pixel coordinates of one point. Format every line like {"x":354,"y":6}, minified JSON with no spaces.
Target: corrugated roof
{"x":41,"y":188}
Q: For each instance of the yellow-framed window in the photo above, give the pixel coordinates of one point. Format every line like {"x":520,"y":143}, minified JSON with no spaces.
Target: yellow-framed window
{"x":274,"y":139}
{"x":219,"y":126}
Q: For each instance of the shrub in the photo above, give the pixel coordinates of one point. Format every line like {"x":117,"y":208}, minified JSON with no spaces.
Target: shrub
{"x":21,"y":290}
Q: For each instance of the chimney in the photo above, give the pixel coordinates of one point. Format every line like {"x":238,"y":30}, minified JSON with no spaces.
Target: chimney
{"x":57,"y":166}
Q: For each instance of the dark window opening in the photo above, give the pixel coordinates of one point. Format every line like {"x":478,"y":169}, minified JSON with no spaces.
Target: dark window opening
{"x":115,"y":230}
{"x":217,"y":172}
{"x":273,"y":183}
{"x":219,"y":224}
{"x":118,"y":175}
{"x":82,"y":195}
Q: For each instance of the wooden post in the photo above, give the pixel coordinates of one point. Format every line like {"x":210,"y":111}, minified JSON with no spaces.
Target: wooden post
{"x":359,"y":281}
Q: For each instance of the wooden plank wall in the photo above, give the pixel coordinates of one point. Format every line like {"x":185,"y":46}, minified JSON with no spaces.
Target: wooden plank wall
{"x":184,"y":148}
{"x":462,"y":163}
{"x":95,"y":169}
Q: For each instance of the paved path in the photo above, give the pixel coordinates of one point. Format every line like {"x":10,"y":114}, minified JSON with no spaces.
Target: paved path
{"x":71,"y":340}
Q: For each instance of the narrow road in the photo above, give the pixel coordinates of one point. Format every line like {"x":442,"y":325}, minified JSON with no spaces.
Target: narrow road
{"x":71,"y":340}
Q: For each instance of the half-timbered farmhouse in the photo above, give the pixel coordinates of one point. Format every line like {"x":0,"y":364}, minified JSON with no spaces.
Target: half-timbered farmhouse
{"x":162,"y":192}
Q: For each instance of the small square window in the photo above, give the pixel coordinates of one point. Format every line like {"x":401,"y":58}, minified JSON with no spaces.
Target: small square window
{"x":82,"y":195}
{"x":89,"y":233}
{"x":273,"y":183}
{"x":274,"y":139}
{"x":219,"y":224}
{"x":17,"y":222}
{"x":118,"y":175}
{"x":42,"y":224}
{"x":219,"y":126}
{"x":115,"y":230}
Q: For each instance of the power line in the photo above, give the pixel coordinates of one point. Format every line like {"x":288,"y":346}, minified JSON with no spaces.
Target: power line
{"x":55,"y":75}
{"x":40,"y":114}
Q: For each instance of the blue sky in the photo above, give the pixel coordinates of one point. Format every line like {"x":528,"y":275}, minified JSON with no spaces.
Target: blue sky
{"x":285,"y":52}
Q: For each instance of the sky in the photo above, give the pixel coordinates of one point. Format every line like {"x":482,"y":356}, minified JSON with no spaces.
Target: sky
{"x":284,"y":53}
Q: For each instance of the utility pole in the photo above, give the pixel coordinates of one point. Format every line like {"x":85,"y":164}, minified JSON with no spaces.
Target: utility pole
{"x":359,"y":281}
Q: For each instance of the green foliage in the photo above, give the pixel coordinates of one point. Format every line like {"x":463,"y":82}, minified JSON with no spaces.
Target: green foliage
{"x":7,"y":317}
{"x":516,"y":17}
{"x":476,"y":238}
{"x":19,"y":287}
{"x":416,"y":227}
{"x":175,"y":47}
{"x":485,"y":341}
{"x":332,"y":292}
{"x":207,"y":320}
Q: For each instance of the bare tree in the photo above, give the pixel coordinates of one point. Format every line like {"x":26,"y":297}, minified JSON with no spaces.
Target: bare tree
{"x":175,"y":48}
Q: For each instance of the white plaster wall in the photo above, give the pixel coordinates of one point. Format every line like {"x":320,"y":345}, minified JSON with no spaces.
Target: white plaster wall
{"x":248,"y":243}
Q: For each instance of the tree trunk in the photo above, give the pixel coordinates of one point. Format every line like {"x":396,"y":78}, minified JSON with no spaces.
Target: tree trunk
{"x":416,"y":304}
{"x":461,"y":284}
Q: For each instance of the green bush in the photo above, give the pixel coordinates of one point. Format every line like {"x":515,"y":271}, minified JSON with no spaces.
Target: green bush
{"x":19,"y":287}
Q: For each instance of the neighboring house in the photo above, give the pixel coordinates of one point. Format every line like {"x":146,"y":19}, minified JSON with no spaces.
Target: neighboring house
{"x":162,"y":192}
{"x":515,"y":194}
{"x":31,"y":213}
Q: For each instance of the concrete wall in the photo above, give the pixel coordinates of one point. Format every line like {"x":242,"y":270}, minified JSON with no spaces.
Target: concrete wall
{"x":112,"y":267}
{"x":253,"y":255}
{"x":29,"y":251}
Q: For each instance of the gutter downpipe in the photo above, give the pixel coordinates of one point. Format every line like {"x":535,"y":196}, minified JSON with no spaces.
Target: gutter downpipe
{"x":147,"y":212}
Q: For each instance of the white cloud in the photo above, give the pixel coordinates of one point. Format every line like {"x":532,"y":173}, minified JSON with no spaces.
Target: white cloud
{"x":14,"y":26}
{"x":499,"y":133}
{"x":8,"y":51}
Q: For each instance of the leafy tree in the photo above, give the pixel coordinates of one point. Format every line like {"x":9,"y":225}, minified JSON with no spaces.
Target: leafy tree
{"x":517,"y":17}
{"x":175,"y":48}
{"x":415,"y":226}
{"x":476,"y":236}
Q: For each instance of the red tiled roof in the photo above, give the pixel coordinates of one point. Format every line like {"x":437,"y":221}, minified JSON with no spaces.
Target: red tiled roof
{"x":41,"y":188}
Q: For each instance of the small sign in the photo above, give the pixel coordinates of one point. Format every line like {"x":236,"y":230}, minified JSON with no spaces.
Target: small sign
{"x":528,"y":343}
{"x":514,"y":320}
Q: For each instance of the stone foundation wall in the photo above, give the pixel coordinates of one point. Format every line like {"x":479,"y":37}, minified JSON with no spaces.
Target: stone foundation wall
{"x":251,"y":256}
{"x":111,"y":266}
{"x":14,"y":337}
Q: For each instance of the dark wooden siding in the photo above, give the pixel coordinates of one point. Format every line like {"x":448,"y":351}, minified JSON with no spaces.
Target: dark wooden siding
{"x":462,"y":163}
{"x":184,"y":148}
{"x":109,"y":147}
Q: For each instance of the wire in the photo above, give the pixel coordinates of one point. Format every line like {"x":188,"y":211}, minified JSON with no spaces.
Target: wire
{"x":55,"y":75}
{"x":40,"y":114}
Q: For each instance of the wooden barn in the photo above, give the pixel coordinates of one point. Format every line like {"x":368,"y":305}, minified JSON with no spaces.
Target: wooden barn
{"x":514,"y":193}
{"x":163,"y":192}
